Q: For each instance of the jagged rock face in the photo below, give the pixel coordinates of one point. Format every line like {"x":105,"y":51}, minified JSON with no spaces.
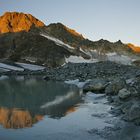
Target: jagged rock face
{"x":76,"y":40}
{"x":34,"y":47}
{"x":105,"y":46}
{"x":16,"y":22}
{"x":65,"y":34}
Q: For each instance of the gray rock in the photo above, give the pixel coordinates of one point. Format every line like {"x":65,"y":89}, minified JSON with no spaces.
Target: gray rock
{"x":125,"y":107}
{"x":115,"y":86}
{"x":124,"y":93}
{"x":134,"y":112}
{"x":96,"y":85}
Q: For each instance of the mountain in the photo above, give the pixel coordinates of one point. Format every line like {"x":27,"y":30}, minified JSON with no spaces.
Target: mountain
{"x":16,"y":22}
{"x":100,"y":50}
{"x":24,"y":38}
{"x":75,"y":39}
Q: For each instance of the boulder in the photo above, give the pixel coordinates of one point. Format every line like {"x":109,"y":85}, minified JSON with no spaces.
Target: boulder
{"x":96,"y":85}
{"x":134,"y":112}
{"x":124,"y":93}
{"x":115,"y":86}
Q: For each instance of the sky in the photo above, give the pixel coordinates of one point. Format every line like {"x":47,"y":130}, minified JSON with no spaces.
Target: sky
{"x":95,"y":19}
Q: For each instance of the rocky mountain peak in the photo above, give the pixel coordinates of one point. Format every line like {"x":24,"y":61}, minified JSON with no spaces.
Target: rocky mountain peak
{"x":16,"y":22}
{"x":119,"y":42}
{"x":59,"y":27}
{"x":134,"y":48}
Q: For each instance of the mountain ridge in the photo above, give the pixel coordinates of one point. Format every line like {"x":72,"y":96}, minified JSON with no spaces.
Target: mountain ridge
{"x":51,"y":44}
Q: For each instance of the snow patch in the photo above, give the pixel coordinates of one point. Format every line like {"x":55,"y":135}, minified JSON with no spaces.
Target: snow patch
{"x":57,"y":41}
{"x":30,"y":66}
{"x":85,"y":52}
{"x":94,"y":51}
{"x":10,"y":67}
{"x":122,"y":59}
{"x":111,"y":54}
{"x":31,"y":59}
{"x":77,"y":83}
{"x":79,"y":59}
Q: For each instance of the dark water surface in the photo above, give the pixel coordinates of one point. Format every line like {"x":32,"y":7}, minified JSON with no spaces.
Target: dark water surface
{"x":33,"y":109}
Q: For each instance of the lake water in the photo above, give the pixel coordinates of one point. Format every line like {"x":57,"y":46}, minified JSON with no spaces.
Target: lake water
{"x":33,"y":109}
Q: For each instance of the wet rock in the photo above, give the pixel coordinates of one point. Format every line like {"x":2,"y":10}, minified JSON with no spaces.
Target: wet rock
{"x":106,"y":133}
{"x":125,"y":107}
{"x":116,"y":100}
{"x":114,"y":87}
{"x":115,"y":111}
{"x":130,"y":81}
{"x":110,"y":99}
{"x":47,"y":78}
{"x":133,"y":113}
{"x":96,"y":85}
{"x":134,"y":92}
{"x":124,"y":93}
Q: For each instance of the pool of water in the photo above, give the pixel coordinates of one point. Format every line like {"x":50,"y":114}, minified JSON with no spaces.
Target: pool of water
{"x":33,"y":109}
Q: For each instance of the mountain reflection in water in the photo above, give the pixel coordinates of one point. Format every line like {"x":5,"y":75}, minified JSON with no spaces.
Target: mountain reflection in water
{"x":25,"y":101}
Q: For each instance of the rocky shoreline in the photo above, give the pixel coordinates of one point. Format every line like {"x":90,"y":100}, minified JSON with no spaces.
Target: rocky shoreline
{"x":120,"y":83}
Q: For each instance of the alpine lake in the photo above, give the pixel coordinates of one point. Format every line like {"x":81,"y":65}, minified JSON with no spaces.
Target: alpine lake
{"x":34,"y":109}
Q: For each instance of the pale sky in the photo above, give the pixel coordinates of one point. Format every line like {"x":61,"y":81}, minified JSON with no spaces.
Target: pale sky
{"x":95,"y":19}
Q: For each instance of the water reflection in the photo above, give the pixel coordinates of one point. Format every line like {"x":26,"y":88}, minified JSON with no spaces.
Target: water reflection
{"x":25,"y":100}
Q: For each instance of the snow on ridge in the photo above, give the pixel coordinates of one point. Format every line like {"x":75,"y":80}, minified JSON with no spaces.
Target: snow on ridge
{"x":30,"y":66}
{"x":57,"y":41}
{"x":87,"y":53}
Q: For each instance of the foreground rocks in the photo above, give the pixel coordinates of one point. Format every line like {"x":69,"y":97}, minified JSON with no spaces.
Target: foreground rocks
{"x":120,"y":83}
